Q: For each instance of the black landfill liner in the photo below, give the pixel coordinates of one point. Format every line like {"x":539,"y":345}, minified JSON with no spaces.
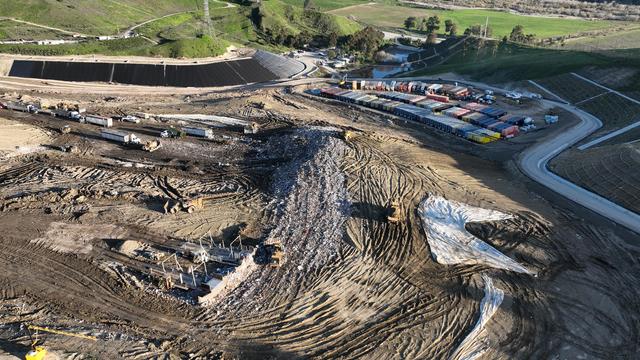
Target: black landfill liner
{"x":224,"y":73}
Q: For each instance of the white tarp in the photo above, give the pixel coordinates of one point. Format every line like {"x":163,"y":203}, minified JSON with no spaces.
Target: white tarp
{"x":475,"y":344}
{"x":451,"y":243}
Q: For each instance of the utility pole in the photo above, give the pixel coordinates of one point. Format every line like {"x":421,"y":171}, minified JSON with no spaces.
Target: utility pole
{"x":207,"y":18}
{"x":486,"y":26}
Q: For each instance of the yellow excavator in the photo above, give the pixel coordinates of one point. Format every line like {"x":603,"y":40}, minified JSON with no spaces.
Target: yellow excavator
{"x":39,"y":352}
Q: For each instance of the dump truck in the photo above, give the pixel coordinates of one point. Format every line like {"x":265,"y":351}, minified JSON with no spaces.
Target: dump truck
{"x":98,"y":120}
{"x":200,"y":132}
{"x":393,"y":212}
{"x":67,"y":114}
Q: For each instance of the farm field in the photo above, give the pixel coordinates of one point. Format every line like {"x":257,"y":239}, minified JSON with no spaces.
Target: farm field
{"x":389,"y":16}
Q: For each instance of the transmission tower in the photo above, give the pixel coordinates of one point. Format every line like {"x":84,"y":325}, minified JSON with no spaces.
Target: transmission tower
{"x":207,"y":19}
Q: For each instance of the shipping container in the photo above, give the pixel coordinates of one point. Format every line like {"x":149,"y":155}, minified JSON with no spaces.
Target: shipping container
{"x":205,"y":133}
{"x":98,"y":120}
{"x":441,"y":98}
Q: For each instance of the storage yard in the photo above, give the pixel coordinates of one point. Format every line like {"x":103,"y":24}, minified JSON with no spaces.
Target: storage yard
{"x":307,"y":221}
{"x":447,"y":108}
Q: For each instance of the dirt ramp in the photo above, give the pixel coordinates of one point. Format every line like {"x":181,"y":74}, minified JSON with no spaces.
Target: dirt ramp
{"x":5,"y":66}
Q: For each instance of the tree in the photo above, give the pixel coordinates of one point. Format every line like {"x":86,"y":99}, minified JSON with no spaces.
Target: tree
{"x":423,"y":24}
{"x":453,"y":31}
{"x":411,"y":22}
{"x":433,"y":24}
{"x":517,"y":34}
{"x":310,"y":5}
{"x":331,"y":54}
{"x":448,"y":24}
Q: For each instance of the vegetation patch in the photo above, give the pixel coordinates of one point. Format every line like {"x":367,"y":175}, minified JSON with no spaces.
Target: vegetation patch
{"x":501,"y":22}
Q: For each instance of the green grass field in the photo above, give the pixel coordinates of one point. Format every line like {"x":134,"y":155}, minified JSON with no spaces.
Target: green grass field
{"x":98,"y":18}
{"x":513,"y":63}
{"x":389,"y":16}
{"x":15,"y":30}
{"x":628,"y":39}
{"x":326,"y":5}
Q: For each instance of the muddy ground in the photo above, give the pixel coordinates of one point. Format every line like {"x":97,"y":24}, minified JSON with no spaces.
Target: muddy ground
{"x":353,"y":285}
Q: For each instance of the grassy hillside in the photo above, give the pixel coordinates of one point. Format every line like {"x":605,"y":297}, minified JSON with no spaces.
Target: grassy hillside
{"x":502,"y":22}
{"x":619,"y":40}
{"x":326,"y":5}
{"x":512,"y":62}
{"x":292,"y":18}
{"x":94,"y":17}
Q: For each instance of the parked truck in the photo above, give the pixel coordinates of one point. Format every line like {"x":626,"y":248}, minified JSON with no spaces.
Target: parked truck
{"x":205,"y":133}
{"x":21,"y":107}
{"x":131,"y":119}
{"x":121,"y":137}
{"x":71,"y":115}
{"x":131,"y":140}
{"x":99,"y":120}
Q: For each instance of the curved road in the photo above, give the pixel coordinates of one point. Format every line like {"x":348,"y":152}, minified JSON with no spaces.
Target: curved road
{"x":534,"y":161}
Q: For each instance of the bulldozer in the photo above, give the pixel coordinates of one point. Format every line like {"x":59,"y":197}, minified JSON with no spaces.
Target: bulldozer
{"x":393,"y":212}
{"x":151,"y":145}
{"x":65,"y":129}
{"x":172,"y":206}
{"x":347,"y":135}
{"x":277,"y":254}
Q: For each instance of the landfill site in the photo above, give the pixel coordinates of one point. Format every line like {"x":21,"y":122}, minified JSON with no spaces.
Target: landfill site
{"x":305,"y":219}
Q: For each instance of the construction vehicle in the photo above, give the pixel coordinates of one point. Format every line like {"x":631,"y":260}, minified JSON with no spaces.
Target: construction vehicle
{"x":347,"y":135}
{"x":172,"y":133}
{"x":151,"y":145}
{"x":65,"y":129}
{"x":172,"y":206}
{"x":393,"y":212}
{"x":277,"y":253}
{"x":39,"y":352}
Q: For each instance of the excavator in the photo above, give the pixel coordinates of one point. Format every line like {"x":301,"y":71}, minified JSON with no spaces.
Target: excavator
{"x":393,"y":212}
{"x":39,"y":352}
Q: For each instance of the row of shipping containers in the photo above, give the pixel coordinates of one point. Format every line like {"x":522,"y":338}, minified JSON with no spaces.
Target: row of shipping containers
{"x":480,"y":115}
{"x":445,"y":91}
{"x":415,"y":113}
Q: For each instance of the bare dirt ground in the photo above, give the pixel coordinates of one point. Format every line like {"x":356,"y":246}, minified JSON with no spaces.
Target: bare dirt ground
{"x":352,"y":284}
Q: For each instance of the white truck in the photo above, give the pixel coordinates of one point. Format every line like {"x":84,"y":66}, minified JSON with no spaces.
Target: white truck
{"x":121,"y":137}
{"x":99,"y":120}
{"x":205,"y":133}
{"x":131,"y":119}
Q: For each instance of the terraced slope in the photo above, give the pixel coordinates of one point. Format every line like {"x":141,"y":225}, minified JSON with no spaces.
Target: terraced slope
{"x":611,"y":171}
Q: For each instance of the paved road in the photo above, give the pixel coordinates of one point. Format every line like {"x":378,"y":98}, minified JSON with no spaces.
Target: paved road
{"x":534,"y":161}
